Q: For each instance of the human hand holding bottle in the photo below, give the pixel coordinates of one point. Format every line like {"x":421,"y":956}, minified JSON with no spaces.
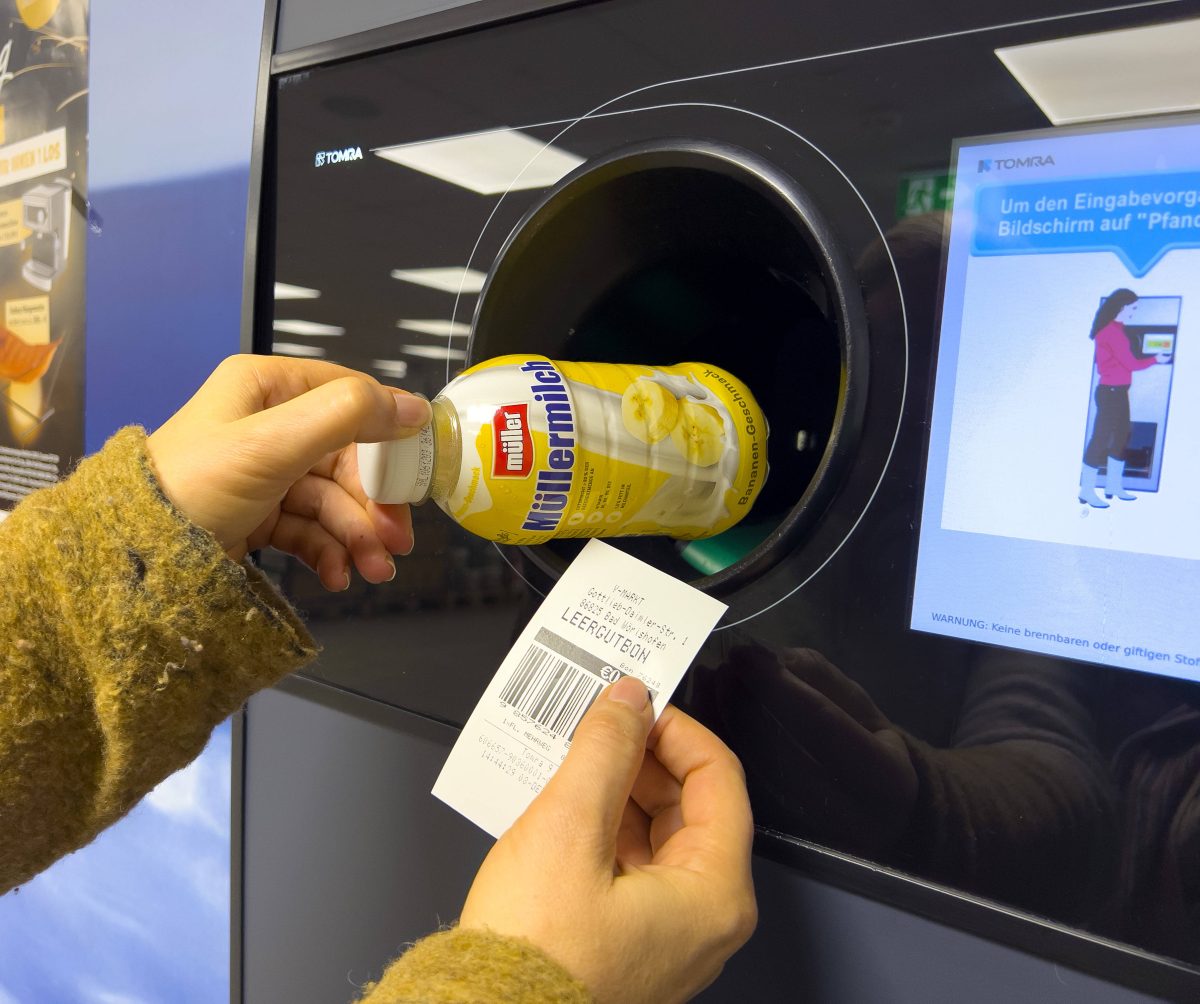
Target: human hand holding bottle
{"x":631,"y":869}
{"x":262,"y":456}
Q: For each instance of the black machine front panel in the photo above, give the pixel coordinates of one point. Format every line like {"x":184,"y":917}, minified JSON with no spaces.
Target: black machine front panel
{"x":767,"y":187}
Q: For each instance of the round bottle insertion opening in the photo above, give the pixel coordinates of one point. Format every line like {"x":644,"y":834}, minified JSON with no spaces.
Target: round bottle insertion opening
{"x":692,"y":252}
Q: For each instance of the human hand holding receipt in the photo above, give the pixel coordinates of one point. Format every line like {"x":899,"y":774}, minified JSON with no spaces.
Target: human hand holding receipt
{"x":635,"y":855}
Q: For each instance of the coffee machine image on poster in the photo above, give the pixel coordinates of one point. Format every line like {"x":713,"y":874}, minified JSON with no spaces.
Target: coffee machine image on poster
{"x":43,"y":199}
{"x":46,"y":211}
{"x":1135,"y":339}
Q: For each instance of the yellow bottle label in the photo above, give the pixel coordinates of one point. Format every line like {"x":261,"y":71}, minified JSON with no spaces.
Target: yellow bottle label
{"x":555,"y":449}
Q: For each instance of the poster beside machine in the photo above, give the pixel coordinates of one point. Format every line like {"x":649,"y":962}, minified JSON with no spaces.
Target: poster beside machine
{"x":43,"y":185}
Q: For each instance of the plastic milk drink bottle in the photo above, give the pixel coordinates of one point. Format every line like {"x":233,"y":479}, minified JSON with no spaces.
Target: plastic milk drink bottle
{"x":522,"y":449}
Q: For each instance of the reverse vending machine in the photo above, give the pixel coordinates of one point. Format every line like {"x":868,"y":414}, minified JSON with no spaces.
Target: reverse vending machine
{"x":896,"y":224}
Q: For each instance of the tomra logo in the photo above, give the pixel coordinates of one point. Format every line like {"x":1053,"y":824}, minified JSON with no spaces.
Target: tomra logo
{"x":1011,"y":163}
{"x":512,"y":453}
{"x":324,"y":157}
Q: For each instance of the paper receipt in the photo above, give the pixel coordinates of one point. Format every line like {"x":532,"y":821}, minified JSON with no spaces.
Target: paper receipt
{"x":610,"y":615}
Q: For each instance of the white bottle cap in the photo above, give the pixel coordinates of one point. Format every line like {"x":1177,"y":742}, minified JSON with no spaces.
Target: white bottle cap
{"x":400,"y":470}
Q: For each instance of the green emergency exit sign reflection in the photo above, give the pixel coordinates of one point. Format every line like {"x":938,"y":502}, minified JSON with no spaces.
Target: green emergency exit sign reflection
{"x":924,"y":192}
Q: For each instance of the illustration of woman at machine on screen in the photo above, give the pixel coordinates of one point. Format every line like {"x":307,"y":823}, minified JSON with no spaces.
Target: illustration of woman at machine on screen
{"x":1131,"y":334}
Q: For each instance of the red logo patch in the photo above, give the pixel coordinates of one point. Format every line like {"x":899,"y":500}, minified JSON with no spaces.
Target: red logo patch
{"x":512,"y":453}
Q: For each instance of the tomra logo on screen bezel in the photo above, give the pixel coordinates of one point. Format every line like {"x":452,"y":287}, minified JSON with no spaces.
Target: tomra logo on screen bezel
{"x":1011,"y":163}
{"x":512,"y":453}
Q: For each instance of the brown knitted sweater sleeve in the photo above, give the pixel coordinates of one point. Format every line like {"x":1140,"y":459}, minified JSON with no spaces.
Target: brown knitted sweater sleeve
{"x":126,"y":635}
{"x":475,"y":967}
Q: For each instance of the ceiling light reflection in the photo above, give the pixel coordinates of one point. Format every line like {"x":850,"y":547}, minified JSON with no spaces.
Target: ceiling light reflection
{"x":445,"y":329}
{"x":311,"y":328}
{"x":489,"y":163}
{"x":433,"y":352}
{"x":449,"y":280}
{"x":396,"y":368}
{"x":294,"y":349}
{"x":286,"y":291}
{"x":1112,"y":74}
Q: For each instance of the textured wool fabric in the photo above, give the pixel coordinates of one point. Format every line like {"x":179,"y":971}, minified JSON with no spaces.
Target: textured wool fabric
{"x":126,"y":636}
{"x":473,"y":967}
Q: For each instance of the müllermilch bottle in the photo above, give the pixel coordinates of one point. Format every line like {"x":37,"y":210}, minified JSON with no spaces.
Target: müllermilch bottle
{"x":522,"y":449}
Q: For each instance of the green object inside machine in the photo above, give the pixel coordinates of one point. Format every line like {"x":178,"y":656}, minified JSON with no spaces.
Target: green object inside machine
{"x":715,"y":554}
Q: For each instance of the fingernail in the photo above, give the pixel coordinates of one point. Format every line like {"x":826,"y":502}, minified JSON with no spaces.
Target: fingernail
{"x":411,"y":411}
{"x":629,"y":690}
{"x":392,"y":564}
{"x":347,"y":585}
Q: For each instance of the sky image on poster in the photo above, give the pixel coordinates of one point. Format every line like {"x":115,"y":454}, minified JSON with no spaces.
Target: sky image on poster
{"x":1061,"y":486}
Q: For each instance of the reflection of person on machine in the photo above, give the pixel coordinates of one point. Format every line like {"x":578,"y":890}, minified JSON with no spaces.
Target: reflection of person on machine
{"x":1116,"y":364}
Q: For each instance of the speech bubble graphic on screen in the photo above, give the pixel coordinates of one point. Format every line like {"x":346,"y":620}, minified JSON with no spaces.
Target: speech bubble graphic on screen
{"x":1139,"y":218}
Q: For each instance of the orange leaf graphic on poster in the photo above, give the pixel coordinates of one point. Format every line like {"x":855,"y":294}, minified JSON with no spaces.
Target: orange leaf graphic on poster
{"x":21,"y":362}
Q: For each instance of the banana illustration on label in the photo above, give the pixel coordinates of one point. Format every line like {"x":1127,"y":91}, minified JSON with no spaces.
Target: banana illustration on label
{"x":699,"y":434}
{"x":649,"y":410}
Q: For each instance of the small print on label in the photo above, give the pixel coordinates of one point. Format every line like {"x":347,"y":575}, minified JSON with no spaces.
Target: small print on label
{"x":610,"y":615}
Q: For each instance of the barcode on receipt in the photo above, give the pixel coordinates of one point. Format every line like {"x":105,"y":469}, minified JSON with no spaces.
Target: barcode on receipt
{"x":551,"y":690}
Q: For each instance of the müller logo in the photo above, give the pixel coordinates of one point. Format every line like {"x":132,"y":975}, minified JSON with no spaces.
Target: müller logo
{"x":1011,"y":163}
{"x":324,"y":157}
{"x":512,"y":453}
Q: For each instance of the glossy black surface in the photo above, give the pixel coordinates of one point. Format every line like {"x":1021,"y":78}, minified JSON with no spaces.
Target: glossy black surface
{"x":1062,"y":789}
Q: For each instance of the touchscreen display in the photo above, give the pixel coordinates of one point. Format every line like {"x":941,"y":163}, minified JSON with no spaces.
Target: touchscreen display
{"x":1062,"y":494}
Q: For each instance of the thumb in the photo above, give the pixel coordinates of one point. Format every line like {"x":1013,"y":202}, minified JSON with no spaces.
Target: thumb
{"x":334,"y":415}
{"x":594,"y":782}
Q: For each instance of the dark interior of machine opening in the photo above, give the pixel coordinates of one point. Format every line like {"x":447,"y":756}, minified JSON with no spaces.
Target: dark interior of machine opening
{"x":668,"y":264}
